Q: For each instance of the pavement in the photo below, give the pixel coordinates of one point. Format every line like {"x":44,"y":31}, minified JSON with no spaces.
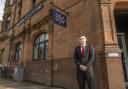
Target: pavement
{"x":10,"y":84}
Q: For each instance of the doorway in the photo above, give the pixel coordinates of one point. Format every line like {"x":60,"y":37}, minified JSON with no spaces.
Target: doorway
{"x":121,"y":21}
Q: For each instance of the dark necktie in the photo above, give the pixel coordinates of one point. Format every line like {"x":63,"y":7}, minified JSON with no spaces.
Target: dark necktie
{"x":82,"y":51}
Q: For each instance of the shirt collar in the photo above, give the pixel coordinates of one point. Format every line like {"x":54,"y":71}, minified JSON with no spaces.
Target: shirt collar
{"x":83,"y":45}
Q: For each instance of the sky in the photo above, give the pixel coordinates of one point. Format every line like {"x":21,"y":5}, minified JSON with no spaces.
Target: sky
{"x":2,"y":3}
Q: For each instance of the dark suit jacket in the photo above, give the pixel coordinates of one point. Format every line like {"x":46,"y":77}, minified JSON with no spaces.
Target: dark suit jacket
{"x":87,"y":60}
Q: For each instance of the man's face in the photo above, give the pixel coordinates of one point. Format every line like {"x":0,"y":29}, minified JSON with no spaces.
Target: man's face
{"x":82,"y":40}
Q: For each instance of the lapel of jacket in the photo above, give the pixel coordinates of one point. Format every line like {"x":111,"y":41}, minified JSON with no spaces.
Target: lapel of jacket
{"x":80,"y":54}
{"x":86,"y":50}
{"x":79,"y":51}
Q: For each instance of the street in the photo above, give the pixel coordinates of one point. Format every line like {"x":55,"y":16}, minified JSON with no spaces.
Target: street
{"x":10,"y":84}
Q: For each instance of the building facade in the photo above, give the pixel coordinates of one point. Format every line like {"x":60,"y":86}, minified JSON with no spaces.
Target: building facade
{"x":31,"y":39}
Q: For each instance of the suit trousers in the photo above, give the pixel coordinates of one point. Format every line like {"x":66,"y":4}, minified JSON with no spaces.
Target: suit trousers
{"x":85,"y":76}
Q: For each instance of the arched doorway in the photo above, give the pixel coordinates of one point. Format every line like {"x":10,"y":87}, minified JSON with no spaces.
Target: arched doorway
{"x":121,"y":22}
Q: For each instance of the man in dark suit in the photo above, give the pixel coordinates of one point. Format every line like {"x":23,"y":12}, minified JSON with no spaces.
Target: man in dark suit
{"x":84,"y":56}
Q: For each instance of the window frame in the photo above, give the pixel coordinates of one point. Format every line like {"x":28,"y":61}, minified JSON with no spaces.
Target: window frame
{"x":18,"y":51}
{"x":38,"y":45}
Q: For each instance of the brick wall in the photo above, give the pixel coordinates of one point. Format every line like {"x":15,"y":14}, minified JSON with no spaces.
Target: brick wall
{"x":82,"y":19}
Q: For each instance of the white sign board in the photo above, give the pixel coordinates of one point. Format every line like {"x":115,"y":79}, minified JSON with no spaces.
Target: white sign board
{"x":113,"y":54}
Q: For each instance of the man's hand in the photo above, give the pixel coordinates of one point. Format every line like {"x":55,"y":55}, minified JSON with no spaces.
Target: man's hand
{"x":83,"y":68}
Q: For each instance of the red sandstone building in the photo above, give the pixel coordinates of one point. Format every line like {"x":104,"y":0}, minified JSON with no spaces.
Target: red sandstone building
{"x":30,"y":39}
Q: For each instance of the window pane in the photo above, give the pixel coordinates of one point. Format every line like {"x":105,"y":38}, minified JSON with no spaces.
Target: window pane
{"x":37,"y":40}
{"x":18,"y":52}
{"x":41,"y":50}
{"x":17,"y":57}
{"x":42,"y":38}
{"x":35,"y":52}
{"x":46,"y":36}
{"x":46,"y":50}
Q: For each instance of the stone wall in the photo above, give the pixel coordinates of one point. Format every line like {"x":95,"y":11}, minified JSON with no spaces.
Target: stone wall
{"x":59,"y":69}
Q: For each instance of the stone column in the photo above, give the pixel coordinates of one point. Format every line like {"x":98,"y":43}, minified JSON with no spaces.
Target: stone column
{"x":114,"y":69}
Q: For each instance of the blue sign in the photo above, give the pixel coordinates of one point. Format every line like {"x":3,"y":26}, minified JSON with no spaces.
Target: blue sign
{"x":58,"y":18}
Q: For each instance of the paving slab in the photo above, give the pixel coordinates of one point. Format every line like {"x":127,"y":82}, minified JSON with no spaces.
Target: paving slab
{"x":10,"y":84}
